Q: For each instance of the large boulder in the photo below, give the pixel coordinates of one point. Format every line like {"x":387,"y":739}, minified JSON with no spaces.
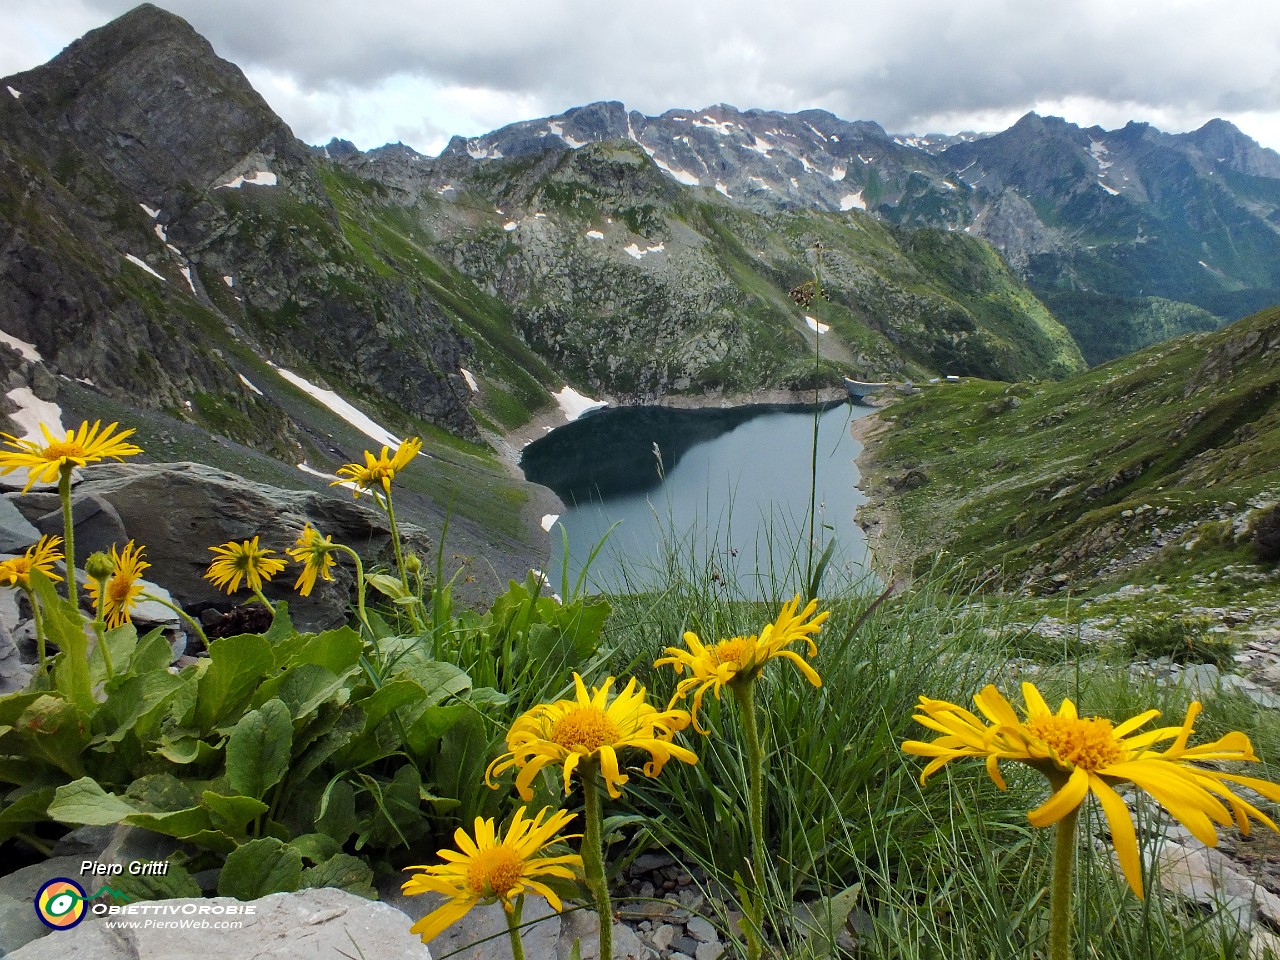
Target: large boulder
{"x":309,"y":925}
{"x":177,"y":511}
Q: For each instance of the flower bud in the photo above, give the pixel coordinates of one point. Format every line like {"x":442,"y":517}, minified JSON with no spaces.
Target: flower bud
{"x":99,"y":566}
{"x":412,"y":564}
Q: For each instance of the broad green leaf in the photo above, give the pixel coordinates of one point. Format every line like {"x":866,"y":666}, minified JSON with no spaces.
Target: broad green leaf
{"x":344,"y":872}
{"x":439,"y":680}
{"x":85,"y":802}
{"x":232,"y":814}
{"x":432,"y":724}
{"x":131,"y":699}
{"x":161,"y":793}
{"x":53,"y":731}
{"x":347,"y":727}
{"x":304,"y":687}
{"x":337,"y":650}
{"x":389,"y":586}
{"x":260,"y":867}
{"x":316,"y":847}
{"x":258,"y":749}
{"x":337,"y":814}
{"x":175,"y":883}
{"x":281,"y":625}
{"x":237,"y":665}
{"x":26,"y":811}
{"x":122,"y":641}
{"x":64,"y":626}
{"x":185,"y":750}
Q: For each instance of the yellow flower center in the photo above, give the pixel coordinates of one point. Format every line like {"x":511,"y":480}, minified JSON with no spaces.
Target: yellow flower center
{"x":118,"y":590}
{"x":1085,"y":742}
{"x":584,"y":727}
{"x":494,"y":872}
{"x":60,"y":448}
{"x":736,"y":652}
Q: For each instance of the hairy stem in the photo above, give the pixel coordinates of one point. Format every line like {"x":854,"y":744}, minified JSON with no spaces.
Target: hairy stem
{"x":513,"y":928}
{"x":593,"y":853}
{"x":1064,"y":856}
{"x":68,"y":533}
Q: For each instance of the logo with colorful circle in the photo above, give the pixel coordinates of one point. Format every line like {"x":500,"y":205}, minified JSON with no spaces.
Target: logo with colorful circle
{"x":62,"y":903}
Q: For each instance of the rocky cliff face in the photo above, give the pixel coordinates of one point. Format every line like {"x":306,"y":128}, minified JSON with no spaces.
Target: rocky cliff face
{"x":150,"y":201}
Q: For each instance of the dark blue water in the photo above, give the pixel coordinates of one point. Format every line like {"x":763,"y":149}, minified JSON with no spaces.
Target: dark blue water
{"x":721,"y":493}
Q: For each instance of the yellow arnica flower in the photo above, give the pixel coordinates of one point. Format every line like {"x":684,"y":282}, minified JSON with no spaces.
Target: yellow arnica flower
{"x":378,"y":472}
{"x":242,"y":561}
{"x":488,"y":869}
{"x":591,"y":726}
{"x":16,"y":571}
{"x":1084,"y":755}
{"x":739,"y":660}
{"x":315,"y":553}
{"x":45,"y":462}
{"x":123,"y":588}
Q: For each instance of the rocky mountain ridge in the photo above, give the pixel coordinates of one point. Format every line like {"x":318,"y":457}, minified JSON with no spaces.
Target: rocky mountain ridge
{"x":1152,"y":233}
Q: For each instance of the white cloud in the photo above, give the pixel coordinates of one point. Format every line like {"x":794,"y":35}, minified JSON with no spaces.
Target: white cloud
{"x":387,"y":70}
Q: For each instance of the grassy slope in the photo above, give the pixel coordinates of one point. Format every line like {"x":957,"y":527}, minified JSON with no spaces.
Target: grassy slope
{"x":1141,"y":470}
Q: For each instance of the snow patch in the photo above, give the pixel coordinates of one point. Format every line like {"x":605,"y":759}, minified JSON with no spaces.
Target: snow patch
{"x":1099,"y":151}
{"x":160,"y":232}
{"x":444,"y":189}
{"x":721,"y":188}
{"x":149,"y":211}
{"x":259,"y":178}
{"x":722,"y":127}
{"x":853,"y":201}
{"x":468,"y":376}
{"x":28,"y":350}
{"x":343,"y":409}
{"x":761,"y":182}
{"x":229,"y":280}
{"x":32,"y":411}
{"x":595,"y":234}
{"x":760,"y":146}
{"x":838,"y":171}
{"x":16,"y":94}
{"x":539,"y":216}
{"x":510,"y":225}
{"x":557,"y":129}
{"x":549,"y":521}
{"x":477,"y":152}
{"x":186,"y":275}
{"x":143,"y":264}
{"x":682,"y":176}
{"x":574,"y":404}
{"x":816,"y":326}
{"x":246,"y":382}
{"x":818,"y":132}
{"x":1111,"y":190}
{"x":307,"y":468}
{"x":633,"y":250}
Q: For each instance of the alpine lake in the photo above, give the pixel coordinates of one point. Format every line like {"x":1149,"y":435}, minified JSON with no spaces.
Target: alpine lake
{"x":720,"y":494}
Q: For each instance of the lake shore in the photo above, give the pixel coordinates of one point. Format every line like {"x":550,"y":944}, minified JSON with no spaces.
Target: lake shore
{"x":891,"y":552}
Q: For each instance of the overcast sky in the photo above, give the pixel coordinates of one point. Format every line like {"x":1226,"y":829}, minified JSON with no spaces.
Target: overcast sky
{"x":377,"y":71}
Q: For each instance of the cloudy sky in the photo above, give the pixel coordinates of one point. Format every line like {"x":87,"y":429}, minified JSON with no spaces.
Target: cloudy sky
{"x":376,"y":71}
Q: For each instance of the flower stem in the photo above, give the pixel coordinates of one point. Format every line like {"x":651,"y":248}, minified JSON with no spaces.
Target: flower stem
{"x":404,"y":573}
{"x":593,"y":854}
{"x":68,"y":533}
{"x":187,"y":618}
{"x":513,"y":928}
{"x":100,"y":625}
{"x":745,"y":696}
{"x":1064,"y":856}
{"x":360,"y":611}
{"x":39,"y":623}
{"x":262,"y":597}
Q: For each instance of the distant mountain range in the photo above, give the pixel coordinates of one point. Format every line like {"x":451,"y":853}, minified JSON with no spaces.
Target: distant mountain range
{"x":172,"y":255}
{"x":1130,"y":235}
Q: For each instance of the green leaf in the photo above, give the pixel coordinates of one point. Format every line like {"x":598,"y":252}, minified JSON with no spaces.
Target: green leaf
{"x":85,"y":802}
{"x":389,"y":586}
{"x":316,"y":847}
{"x":439,"y":680}
{"x":232,"y":814}
{"x":64,"y":626}
{"x":281,"y":628}
{"x":336,"y":650}
{"x":175,"y":883}
{"x":258,"y":749}
{"x":304,"y":687}
{"x":26,"y":811}
{"x":432,"y":724}
{"x":131,"y":700}
{"x":237,"y":665}
{"x":54,"y":731}
{"x":260,"y":867}
{"x":337,"y":815}
{"x":344,"y":872}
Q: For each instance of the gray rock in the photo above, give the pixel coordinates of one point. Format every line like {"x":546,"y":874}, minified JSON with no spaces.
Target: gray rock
{"x":712,"y":950}
{"x":205,"y":507}
{"x":584,"y":926}
{"x":16,"y":532}
{"x":15,"y":674}
{"x":482,"y":933}
{"x":308,"y":925}
{"x":701,"y":929}
{"x":19,"y":923}
{"x":96,"y":524}
{"x":664,"y":936}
